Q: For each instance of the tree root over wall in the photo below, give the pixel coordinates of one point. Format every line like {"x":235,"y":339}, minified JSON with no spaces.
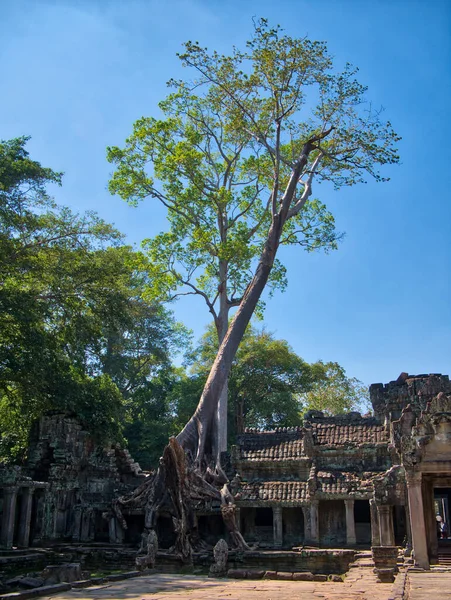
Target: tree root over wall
{"x":177,"y":488}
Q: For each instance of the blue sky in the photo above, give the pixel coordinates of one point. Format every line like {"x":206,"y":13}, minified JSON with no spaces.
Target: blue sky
{"x":75,"y":75}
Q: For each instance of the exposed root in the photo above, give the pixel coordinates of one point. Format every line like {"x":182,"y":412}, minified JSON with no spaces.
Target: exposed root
{"x":177,"y":488}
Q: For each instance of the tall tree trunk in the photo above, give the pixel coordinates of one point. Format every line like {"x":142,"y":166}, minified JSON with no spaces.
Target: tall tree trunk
{"x":201,"y":427}
{"x":222,"y":325}
{"x":194,"y":436}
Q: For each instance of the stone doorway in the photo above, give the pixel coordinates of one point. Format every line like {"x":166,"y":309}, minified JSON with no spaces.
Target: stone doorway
{"x":362,"y":519}
{"x":332,"y":523}
{"x":292,"y":527}
{"x":442,"y":506}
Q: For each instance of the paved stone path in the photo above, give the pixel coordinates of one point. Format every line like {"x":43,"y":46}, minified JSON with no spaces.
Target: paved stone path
{"x":428,"y":586}
{"x":360,"y":585}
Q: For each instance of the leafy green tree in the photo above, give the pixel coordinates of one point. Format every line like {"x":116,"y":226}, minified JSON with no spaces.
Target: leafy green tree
{"x":238,"y":152}
{"x":269,"y":384}
{"x":75,"y":333}
{"x":333,"y":392}
{"x":265,"y":382}
{"x":214,"y":177}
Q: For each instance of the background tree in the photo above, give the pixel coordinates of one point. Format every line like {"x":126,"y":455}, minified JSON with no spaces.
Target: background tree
{"x":333,"y":392}
{"x":74,"y":332}
{"x":291,"y":120}
{"x":269,"y":384}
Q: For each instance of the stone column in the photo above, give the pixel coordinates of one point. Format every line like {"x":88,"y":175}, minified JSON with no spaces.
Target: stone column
{"x":314,"y":525}
{"x":375,"y":535}
{"x":238,"y":518}
{"x":387,"y":537}
{"x":23,"y":538}
{"x":277,"y":526}
{"x":307,"y":530}
{"x":351,"y":539}
{"x":115,"y":531}
{"x":408,"y":531}
{"x":76,"y":525}
{"x":9,"y":516}
{"x":417,"y":520}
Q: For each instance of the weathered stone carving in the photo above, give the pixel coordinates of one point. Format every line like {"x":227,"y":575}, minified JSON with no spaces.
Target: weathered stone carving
{"x":147,"y":553}
{"x":220,"y":553}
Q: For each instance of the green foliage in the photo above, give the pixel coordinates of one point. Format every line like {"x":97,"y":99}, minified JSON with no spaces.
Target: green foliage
{"x":233,"y":159}
{"x":334,"y":393}
{"x":207,"y":162}
{"x":269,"y":386}
{"x":75,"y":334}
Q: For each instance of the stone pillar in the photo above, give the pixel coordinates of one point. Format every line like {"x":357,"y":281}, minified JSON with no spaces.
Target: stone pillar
{"x":314,"y":524}
{"x":350,"y":523}
{"x":386,"y":533}
{"x":9,"y":516}
{"x":375,"y":535}
{"x":238,"y":518}
{"x":23,"y":538}
{"x":115,"y":531}
{"x":417,"y":520}
{"x":277,"y":526}
{"x":307,"y":530}
{"x":76,"y":525}
{"x":408,"y":531}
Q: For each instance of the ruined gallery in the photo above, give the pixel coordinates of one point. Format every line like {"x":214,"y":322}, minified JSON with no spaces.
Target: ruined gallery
{"x":344,"y":482}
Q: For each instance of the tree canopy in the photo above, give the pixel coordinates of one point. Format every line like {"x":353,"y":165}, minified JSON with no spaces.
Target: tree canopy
{"x":239,"y":151}
{"x":75,"y":334}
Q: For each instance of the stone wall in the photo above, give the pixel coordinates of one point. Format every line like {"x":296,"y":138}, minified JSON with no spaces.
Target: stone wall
{"x":417,"y":390}
{"x":82,"y":478}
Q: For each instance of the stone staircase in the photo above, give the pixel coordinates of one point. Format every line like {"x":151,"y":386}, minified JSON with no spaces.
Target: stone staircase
{"x":362,"y":560}
{"x":444,"y":556}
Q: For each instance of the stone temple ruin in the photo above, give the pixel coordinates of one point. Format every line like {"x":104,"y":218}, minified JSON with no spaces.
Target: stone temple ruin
{"x":345,"y":482}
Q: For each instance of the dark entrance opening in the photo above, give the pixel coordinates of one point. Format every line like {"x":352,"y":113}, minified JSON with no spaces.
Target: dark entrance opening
{"x":292,"y":527}
{"x":399,"y":525}
{"x":264,"y":527}
{"x":135,"y":527}
{"x":442,"y":506}
{"x":362,"y":519}
{"x":101,"y":528}
{"x":211,"y":528}
{"x":332,"y":523}
{"x":165,"y":532}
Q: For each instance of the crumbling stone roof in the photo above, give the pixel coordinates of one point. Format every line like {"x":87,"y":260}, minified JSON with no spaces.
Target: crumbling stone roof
{"x":334,"y":434}
{"x":274,"y":491}
{"x":278,"y":445}
{"x":344,"y":483}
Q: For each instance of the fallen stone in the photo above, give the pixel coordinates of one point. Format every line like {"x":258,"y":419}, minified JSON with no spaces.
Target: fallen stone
{"x":284,"y":576}
{"x":271,"y":575}
{"x":255,"y":574}
{"x":30,"y":582}
{"x":67,"y":572}
{"x":336,"y":578}
{"x":319,"y":577}
{"x":303,"y":576}
{"x":236,"y":573}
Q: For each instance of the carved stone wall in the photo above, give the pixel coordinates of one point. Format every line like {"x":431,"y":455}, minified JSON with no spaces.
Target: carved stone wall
{"x":81,"y":477}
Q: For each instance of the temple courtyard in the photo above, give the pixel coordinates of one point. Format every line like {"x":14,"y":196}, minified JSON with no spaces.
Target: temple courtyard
{"x":360,"y":585}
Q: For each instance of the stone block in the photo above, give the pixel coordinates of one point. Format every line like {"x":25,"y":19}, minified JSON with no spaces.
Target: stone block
{"x":271,"y":575}
{"x":255,"y":574}
{"x":236,"y":573}
{"x":67,"y":572}
{"x":284,"y":576}
{"x":319,"y":577}
{"x":303,"y":576}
